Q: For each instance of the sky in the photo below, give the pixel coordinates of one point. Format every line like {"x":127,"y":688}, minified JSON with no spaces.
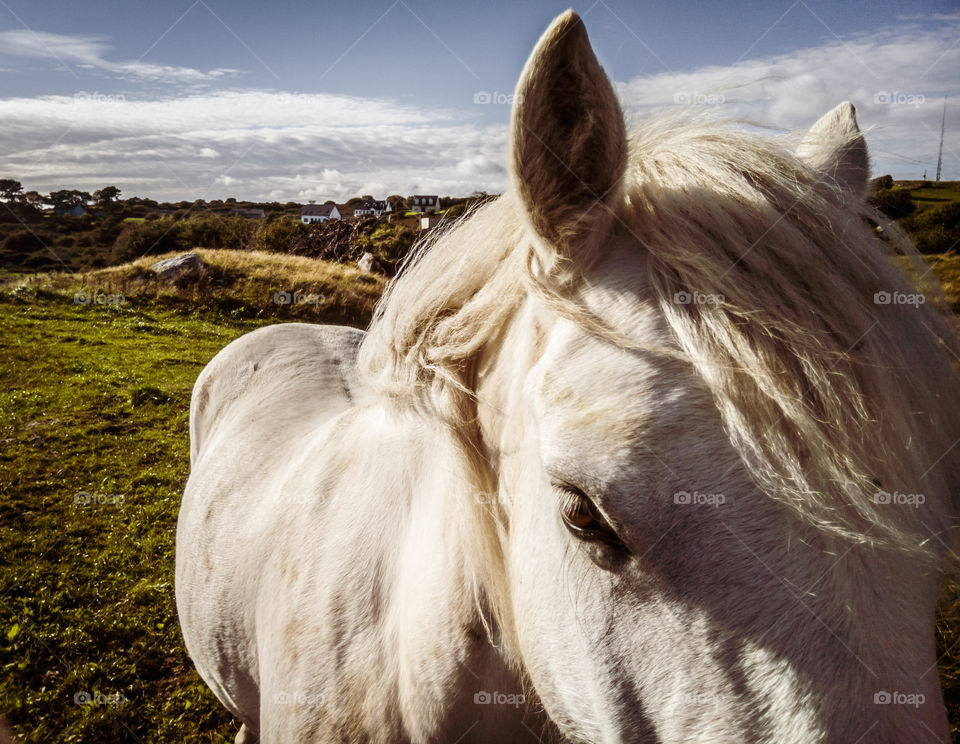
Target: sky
{"x":294,"y":101}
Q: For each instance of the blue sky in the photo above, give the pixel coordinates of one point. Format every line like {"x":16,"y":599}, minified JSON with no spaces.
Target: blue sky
{"x":297,"y":101}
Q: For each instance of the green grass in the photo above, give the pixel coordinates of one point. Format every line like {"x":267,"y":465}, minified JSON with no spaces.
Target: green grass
{"x":927,"y":194}
{"x":94,"y":401}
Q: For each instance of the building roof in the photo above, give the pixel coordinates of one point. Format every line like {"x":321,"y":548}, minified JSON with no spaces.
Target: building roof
{"x":371,"y":204}
{"x":318,"y":210}
{"x":428,"y":199}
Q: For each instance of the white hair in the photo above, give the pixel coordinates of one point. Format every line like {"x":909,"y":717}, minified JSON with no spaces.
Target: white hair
{"x":829,"y":397}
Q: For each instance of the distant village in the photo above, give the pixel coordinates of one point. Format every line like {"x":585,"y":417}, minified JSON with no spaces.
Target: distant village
{"x":427,"y":205}
{"x":32,"y":206}
{"x":70,"y":229}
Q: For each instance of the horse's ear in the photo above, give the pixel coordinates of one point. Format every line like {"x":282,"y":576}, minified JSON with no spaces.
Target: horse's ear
{"x":568,"y":138}
{"x":835,"y":146}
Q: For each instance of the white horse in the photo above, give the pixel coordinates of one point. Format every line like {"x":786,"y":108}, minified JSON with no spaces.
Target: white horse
{"x":656,"y":447}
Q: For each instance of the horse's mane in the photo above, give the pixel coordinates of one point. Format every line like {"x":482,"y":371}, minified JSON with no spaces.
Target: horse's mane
{"x":829,"y":397}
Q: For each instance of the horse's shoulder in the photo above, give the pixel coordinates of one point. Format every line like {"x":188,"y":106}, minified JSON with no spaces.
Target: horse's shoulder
{"x":271,"y":364}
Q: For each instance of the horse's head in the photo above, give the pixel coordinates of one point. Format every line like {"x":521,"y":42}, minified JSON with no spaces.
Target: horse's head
{"x":716,"y":489}
{"x":680,"y":563}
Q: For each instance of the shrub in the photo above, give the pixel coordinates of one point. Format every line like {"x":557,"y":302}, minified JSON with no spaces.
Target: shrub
{"x":235,"y":233}
{"x":21,"y":243}
{"x":455,"y":211}
{"x":136,"y":240}
{"x":166,"y":235}
{"x":280,"y":234}
{"x":388,"y":243}
{"x":881,"y":182}
{"x":895,"y":203}
{"x":935,"y":230}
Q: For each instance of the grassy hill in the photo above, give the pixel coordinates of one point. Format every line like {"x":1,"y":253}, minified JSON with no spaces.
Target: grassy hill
{"x":926,"y":194}
{"x":928,"y":212}
{"x":237,"y":284}
{"x":94,"y":408}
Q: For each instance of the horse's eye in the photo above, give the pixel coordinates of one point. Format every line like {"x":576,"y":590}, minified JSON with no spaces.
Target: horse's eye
{"x":583,"y":519}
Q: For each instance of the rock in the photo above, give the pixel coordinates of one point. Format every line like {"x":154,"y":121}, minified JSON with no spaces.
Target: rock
{"x":366,"y":262}
{"x":176,"y":266}
{"x":369,"y":262}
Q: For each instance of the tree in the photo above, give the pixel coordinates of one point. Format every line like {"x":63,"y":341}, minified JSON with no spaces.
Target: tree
{"x":10,"y":190}
{"x":881,"y":182}
{"x":106,"y":196}
{"x":29,"y":207}
{"x":33,"y":199}
{"x":66,"y":199}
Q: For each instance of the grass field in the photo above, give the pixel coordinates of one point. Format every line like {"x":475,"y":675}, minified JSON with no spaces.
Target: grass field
{"x":928,"y":194}
{"x":93,"y":420}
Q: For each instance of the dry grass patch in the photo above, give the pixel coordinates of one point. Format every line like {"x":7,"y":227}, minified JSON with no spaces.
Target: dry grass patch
{"x":244,"y":284}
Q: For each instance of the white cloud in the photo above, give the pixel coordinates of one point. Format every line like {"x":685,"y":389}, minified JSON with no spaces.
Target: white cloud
{"x":89,"y":53}
{"x":896,"y":79}
{"x":292,"y":146}
{"x":249,"y":144}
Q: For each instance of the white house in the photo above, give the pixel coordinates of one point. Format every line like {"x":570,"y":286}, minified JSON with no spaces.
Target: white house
{"x":371,"y":207}
{"x":422,"y":203}
{"x":319,"y":213}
